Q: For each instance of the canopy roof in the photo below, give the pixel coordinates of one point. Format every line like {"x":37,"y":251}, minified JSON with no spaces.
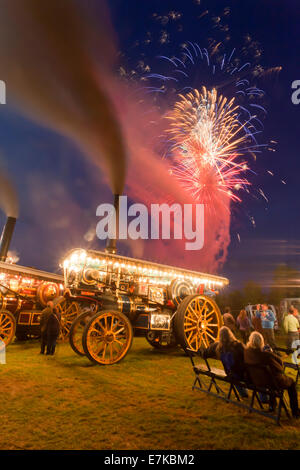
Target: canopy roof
{"x":79,"y":258}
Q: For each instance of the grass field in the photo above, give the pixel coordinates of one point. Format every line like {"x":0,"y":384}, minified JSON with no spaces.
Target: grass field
{"x":144,"y":402}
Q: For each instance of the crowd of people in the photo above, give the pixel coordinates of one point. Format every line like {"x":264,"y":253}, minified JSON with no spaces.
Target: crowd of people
{"x":257,"y":346}
{"x":263,"y":321}
{"x":237,"y":358}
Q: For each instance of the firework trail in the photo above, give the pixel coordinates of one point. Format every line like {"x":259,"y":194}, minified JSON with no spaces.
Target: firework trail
{"x":226,"y":132}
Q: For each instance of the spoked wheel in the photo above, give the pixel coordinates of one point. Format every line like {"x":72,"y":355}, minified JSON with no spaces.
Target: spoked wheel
{"x":197,"y":322}
{"x":107,"y":337}
{"x":7,"y":327}
{"x":69,"y":310}
{"x":77,"y":329}
{"x":159,"y":341}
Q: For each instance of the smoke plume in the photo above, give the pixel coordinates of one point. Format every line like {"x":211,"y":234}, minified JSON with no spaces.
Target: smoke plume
{"x":9,"y":202}
{"x":47,"y":56}
{"x":47,"y":59}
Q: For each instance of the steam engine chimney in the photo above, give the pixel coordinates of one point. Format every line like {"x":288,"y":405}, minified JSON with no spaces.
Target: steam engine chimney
{"x":111,"y":245}
{"x":6,"y":237}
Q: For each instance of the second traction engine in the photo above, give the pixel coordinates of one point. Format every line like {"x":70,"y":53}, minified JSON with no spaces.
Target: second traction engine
{"x":126,"y":297}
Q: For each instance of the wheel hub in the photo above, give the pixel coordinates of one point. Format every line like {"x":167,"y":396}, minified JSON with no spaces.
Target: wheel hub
{"x":109,"y":337}
{"x":201,"y":325}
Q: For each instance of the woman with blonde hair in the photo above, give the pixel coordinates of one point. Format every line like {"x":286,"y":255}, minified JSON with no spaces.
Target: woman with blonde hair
{"x":256,"y":354}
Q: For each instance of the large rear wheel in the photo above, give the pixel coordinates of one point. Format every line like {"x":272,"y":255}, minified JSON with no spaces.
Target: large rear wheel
{"x":197,"y":322}
{"x":107,"y":337}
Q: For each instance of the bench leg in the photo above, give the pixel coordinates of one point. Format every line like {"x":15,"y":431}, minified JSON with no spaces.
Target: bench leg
{"x":197,"y":380}
{"x":283,"y":403}
{"x":233,"y":389}
{"x":229,"y":392}
{"x":217,"y":387}
{"x":252,"y":401}
{"x":278,"y":415}
{"x":237,"y":396}
{"x":259,"y":401}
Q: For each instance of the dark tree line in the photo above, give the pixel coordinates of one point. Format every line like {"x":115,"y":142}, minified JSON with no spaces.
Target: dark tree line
{"x":285,"y":283}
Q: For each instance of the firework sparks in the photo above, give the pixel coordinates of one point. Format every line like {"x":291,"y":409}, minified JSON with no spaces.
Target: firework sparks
{"x":208,"y":143}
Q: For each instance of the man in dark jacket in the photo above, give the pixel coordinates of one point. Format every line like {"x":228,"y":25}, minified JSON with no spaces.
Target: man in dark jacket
{"x":53,"y":330}
{"x":43,"y":325}
{"x":255,"y":355}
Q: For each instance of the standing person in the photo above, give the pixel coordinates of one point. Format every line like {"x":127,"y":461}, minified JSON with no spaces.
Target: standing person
{"x":254,"y":354}
{"x":228,"y":320}
{"x":291,"y":327}
{"x":256,"y":322}
{"x":230,"y":352}
{"x":53,"y":330}
{"x":267,"y":322}
{"x":243,"y":323}
{"x":43,"y":325}
{"x":296,"y":313}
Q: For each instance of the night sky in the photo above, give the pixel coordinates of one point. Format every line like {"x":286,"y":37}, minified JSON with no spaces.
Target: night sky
{"x":49,"y":169}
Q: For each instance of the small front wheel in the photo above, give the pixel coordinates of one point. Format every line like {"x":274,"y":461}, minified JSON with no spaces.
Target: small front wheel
{"x":7,"y":327}
{"x":107,"y":337}
{"x":69,"y":310}
{"x":76,"y":331}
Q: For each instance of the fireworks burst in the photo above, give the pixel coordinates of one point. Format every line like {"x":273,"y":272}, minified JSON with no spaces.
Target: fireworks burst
{"x":215,"y":130}
{"x":208,"y":144}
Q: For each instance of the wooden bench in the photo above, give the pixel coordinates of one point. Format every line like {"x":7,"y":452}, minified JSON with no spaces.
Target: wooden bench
{"x":218,"y":376}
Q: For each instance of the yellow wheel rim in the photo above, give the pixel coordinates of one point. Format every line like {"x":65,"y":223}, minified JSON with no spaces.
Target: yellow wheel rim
{"x":108,"y":338}
{"x":69,"y":311}
{"x":202,"y":322}
{"x":7,"y":328}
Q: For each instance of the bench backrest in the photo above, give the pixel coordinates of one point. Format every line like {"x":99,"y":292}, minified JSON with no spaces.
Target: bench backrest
{"x":261,"y":376}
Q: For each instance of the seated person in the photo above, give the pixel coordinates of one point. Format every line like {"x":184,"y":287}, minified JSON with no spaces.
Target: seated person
{"x":255,"y":353}
{"x":230,"y":352}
